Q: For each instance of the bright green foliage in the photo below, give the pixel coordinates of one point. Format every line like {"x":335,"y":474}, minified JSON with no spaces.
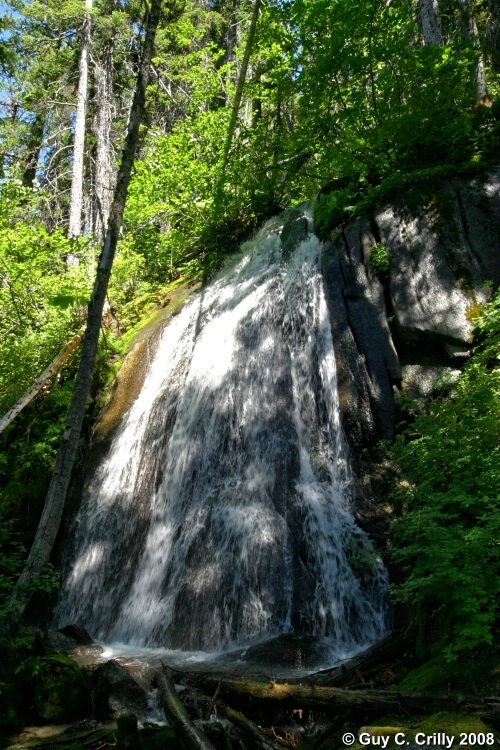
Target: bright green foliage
{"x":28,"y":448}
{"x":380,"y":260}
{"x":41,"y":300}
{"x":487,"y":331}
{"x":448,"y":536}
{"x":170,"y":198}
{"x":7,"y":55}
{"x":336,"y":90}
{"x":373,"y":100}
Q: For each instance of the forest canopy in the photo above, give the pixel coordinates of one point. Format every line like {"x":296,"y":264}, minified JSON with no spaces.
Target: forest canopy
{"x":355,"y":95}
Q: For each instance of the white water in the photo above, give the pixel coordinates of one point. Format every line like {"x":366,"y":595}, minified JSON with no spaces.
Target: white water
{"x":221,"y":514}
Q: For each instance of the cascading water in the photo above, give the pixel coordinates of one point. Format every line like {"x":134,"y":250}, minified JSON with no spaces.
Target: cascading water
{"x":221,"y":514}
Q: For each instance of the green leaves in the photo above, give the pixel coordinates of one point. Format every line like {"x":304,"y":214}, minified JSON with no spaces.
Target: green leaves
{"x":447,"y":538}
{"x":380,"y":260}
{"x":40,"y":297}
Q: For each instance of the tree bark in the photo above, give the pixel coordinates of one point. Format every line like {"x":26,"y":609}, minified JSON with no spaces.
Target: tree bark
{"x":192,"y":737}
{"x":37,"y":386}
{"x":429,"y":21}
{"x":249,"y":730}
{"x":358,"y":701}
{"x":239,"y":91}
{"x":48,"y":527}
{"x":470,"y":31}
{"x":34,"y":147}
{"x":492,"y":35}
{"x":76,"y":196}
{"x":104,"y":172}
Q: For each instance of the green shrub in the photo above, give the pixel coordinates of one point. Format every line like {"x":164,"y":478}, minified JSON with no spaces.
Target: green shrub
{"x":447,"y":538}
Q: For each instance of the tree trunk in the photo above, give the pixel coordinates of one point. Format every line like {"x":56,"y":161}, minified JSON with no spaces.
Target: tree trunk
{"x":471,"y":33}
{"x":37,"y":386}
{"x":54,"y":504}
{"x":192,"y":737}
{"x":104,"y":171}
{"x":76,"y":197}
{"x":359,"y":701}
{"x":239,"y":92}
{"x":34,"y":147}
{"x":492,"y":35}
{"x":249,"y":730}
{"x":429,"y":21}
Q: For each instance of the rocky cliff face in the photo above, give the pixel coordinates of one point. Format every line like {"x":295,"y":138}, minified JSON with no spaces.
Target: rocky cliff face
{"x":404,"y":328}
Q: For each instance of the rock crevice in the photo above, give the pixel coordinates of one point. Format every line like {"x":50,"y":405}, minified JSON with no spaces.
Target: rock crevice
{"x":410,"y":327}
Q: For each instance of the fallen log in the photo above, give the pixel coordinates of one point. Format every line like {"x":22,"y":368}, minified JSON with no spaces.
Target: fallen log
{"x":254,"y":737}
{"x":365,"y":667}
{"x":191,"y":736}
{"x":250,"y":731}
{"x":334,"y":700}
{"x":92,"y":737}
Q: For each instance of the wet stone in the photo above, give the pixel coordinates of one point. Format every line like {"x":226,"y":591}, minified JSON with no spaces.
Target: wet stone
{"x":299,"y":652}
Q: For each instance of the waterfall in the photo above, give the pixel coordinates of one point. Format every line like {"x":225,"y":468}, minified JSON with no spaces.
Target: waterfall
{"x":221,"y":513}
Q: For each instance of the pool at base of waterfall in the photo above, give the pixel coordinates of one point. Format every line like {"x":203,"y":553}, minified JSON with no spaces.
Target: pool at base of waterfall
{"x":279,"y":657}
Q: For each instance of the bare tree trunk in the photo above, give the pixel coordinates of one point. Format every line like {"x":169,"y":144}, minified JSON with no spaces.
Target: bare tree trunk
{"x":50,"y":521}
{"x":104,"y":171}
{"x":429,"y":21}
{"x":76,"y":197}
{"x":471,"y":32}
{"x":239,"y":90}
{"x":480,"y":73}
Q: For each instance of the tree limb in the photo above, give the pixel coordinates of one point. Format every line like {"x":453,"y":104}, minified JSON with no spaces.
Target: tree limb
{"x":192,"y":737}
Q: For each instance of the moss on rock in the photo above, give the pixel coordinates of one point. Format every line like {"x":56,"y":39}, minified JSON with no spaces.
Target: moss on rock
{"x":128,"y":371}
{"x":61,"y":692}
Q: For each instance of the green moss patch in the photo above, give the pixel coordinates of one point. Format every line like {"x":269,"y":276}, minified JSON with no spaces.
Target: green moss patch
{"x":431,"y":675}
{"x":396,"y":733}
{"x":60,"y":690}
{"x":127,"y":372}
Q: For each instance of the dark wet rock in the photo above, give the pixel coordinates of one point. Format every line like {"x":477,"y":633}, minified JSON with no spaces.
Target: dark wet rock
{"x":61,"y":690}
{"x":116,"y":692}
{"x":69,"y":637}
{"x":367,"y":363}
{"x":293,"y":233}
{"x":401,"y":334}
{"x":291,"y":651}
